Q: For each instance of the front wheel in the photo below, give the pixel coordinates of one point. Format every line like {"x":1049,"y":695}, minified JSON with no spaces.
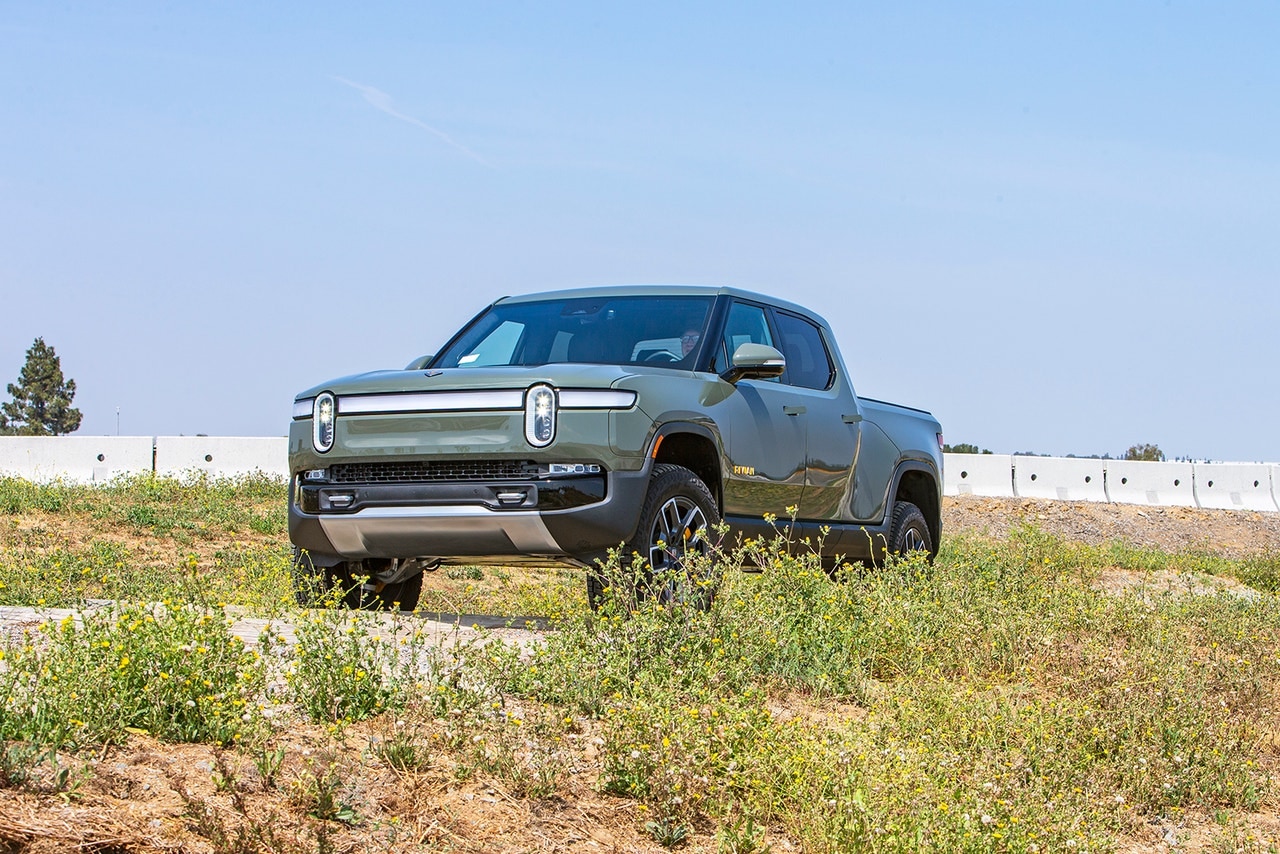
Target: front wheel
{"x":359,"y":584}
{"x":677,"y":520}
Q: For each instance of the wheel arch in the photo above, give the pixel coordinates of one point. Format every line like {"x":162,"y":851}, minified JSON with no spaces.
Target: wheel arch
{"x":694,"y":446}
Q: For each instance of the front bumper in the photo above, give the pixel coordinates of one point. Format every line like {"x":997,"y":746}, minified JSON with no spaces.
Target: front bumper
{"x":572,"y":520}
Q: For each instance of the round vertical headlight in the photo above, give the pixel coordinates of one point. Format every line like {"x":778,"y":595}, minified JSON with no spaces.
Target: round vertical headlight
{"x":324,"y":412}
{"x":540,"y":415}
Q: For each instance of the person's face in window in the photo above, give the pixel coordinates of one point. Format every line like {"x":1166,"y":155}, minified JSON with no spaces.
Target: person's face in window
{"x":688,"y":341}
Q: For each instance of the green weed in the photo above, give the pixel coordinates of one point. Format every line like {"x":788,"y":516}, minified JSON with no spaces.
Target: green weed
{"x":350,"y":666}
{"x":170,"y":670}
{"x":322,"y":793}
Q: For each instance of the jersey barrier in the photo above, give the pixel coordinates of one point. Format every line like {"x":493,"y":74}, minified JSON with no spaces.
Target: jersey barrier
{"x":1227,"y":486}
{"x":1152,"y":484}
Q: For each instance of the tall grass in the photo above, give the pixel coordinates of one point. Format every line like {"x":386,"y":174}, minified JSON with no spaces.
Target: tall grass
{"x":992,"y":700}
{"x":996,"y":700}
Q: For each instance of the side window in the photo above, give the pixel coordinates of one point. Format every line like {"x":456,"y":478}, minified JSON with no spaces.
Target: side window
{"x":808,"y":363}
{"x":747,"y":324}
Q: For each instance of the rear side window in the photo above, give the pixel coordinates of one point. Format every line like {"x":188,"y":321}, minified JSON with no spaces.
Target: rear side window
{"x":808,"y":362}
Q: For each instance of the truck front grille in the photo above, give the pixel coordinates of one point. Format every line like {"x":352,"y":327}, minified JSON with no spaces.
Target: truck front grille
{"x":432,"y":471}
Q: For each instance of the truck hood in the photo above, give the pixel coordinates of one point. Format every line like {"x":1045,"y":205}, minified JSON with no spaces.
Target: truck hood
{"x":468,"y":379}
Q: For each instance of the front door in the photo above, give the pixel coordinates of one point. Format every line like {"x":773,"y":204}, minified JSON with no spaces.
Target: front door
{"x":831,"y":414}
{"x":767,"y":427}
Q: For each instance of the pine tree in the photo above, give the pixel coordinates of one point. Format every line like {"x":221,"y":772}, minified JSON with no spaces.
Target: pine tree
{"x":41,"y":403}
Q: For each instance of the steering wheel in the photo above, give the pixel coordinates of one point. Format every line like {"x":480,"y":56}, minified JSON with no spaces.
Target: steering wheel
{"x":662,"y":356}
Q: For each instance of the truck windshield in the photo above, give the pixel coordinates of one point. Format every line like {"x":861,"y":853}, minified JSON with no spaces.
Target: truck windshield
{"x":626,"y":330}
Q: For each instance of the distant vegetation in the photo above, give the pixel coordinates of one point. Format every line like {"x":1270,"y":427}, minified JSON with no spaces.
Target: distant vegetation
{"x":963,"y":448}
{"x":1145,"y":453}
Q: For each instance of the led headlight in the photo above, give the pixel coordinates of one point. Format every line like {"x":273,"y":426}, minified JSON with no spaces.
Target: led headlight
{"x":540,"y":416}
{"x":325,"y":411}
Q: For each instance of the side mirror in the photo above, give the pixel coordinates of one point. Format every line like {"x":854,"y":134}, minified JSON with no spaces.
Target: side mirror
{"x":755,"y":362}
{"x":420,"y":362}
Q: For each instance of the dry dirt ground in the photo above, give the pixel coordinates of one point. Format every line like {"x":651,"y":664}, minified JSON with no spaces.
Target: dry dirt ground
{"x":148,"y":796}
{"x":1230,"y":533}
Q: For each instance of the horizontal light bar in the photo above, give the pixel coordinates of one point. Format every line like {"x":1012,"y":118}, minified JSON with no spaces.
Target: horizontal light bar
{"x":462,"y":401}
{"x":573,"y":468}
{"x":572,"y":398}
{"x":435,"y":401}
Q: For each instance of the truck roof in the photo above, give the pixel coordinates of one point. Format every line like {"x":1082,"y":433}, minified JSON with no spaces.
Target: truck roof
{"x":663,"y":290}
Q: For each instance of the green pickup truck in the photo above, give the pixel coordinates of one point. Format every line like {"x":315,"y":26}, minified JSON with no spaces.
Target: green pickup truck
{"x":557,"y":426}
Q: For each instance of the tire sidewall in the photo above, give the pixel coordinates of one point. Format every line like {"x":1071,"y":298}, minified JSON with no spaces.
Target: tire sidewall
{"x":907,"y":517}
{"x":670,"y":482}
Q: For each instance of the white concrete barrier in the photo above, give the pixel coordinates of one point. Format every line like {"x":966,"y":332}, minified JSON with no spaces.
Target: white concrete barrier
{"x":1153,"y":484}
{"x":988,"y":475}
{"x":222,"y":456}
{"x":1060,"y":478}
{"x":1234,"y":486}
{"x":1230,"y":486}
{"x":75,"y":459}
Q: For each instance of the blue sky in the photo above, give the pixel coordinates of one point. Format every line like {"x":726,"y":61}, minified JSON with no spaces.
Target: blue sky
{"x":1055,"y":225}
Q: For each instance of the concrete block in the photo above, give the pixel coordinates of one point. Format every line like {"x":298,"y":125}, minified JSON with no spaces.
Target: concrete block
{"x":1153,"y":484}
{"x":75,"y":459}
{"x":1234,"y":486}
{"x":988,"y":475}
{"x":1060,"y":478}
{"x":222,"y":456}
{"x":1275,"y":485}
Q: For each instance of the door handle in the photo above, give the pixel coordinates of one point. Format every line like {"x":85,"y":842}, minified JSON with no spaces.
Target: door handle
{"x":793,"y":410}
{"x":851,"y":419}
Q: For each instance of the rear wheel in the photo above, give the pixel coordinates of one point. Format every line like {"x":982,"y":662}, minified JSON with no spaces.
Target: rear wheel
{"x":677,"y":520}
{"x":596,"y":585}
{"x":909,"y":531}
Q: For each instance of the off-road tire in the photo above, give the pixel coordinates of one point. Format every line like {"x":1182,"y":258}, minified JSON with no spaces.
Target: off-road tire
{"x":348,"y":576}
{"x":595,"y":587}
{"x":309,"y":583}
{"x":909,"y":531}
{"x":679,"y":511}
